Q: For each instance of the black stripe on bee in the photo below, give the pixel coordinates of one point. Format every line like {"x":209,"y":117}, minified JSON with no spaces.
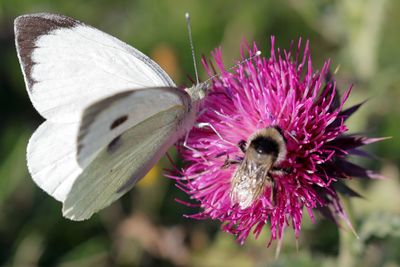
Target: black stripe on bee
{"x":265,"y":145}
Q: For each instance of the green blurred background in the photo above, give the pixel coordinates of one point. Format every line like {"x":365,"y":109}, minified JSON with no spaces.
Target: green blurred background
{"x":146,"y":228}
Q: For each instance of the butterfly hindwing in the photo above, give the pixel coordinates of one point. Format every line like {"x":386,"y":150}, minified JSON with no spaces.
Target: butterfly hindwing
{"x":118,"y":166}
{"x":118,"y":140}
{"x":107,"y":119}
{"x":51,"y":158}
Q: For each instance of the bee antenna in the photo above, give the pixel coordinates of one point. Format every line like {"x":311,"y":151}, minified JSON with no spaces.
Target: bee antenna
{"x":191,"y":45}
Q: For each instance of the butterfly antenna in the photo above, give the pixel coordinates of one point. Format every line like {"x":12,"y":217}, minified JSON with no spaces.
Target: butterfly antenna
{"x":191,"y":45}
{"x":258,"y":53}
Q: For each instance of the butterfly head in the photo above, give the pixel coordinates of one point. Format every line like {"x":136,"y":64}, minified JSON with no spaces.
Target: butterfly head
{"x":198,"y":91}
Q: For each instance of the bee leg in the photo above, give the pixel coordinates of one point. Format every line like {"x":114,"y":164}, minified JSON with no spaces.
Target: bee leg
{"x":228,"y":162}
{"x":242,"y":145}
{"x":279,"y":171}
{"x":272,"y":195}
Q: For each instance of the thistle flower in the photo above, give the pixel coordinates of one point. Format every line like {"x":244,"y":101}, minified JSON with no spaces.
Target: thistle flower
{"x":284,"y":92}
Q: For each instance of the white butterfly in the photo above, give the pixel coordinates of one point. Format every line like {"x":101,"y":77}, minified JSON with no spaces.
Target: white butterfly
{"x":111,"y":112}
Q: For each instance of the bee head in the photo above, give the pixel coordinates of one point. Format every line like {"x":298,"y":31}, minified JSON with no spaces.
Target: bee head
{"x":267,"y":145}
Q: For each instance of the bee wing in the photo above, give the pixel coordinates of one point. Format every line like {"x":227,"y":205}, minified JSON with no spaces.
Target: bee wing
{"x":249,"y":182}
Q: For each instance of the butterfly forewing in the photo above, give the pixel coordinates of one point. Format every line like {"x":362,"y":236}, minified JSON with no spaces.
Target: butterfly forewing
{"x":68,"y":65}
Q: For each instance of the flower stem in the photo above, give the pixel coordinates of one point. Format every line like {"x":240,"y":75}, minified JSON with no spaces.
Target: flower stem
{"x":347,"y":254}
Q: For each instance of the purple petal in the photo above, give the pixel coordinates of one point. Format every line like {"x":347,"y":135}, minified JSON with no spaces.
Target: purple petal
{"x":345,"y":190}
{"x":347,"y":169}
{"x":347,"y":142}
{"x":349,"y":111}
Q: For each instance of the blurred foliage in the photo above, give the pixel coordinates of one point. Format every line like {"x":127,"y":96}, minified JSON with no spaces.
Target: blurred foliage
{"x":146,"y":227}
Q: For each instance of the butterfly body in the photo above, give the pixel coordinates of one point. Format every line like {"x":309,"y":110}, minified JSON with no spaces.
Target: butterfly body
{"x":111,"y":112}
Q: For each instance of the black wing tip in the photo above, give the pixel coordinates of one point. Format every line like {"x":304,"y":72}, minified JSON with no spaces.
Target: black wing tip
{"x":26,"y":19}
{"x":45,"y":19}
{"x":28,"y":28}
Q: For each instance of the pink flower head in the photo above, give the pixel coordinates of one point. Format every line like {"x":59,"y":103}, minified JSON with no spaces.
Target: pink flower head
{"x":282,"y":92}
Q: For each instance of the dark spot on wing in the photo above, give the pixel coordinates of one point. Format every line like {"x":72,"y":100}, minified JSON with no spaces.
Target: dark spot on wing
{"x":28,"y":29}
{"x":80,"y":146}
{"x":118,"y":121}
{"x":114,"y":144}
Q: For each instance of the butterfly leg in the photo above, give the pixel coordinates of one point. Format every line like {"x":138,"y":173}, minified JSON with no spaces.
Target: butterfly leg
{"x":196,"y":152}
{"x":207,"y":124}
